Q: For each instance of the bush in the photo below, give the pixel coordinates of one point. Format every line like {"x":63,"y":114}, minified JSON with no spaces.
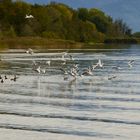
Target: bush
{"x":9,"y":33}
{"x":27,"y":31}
{"x":50,"y":35}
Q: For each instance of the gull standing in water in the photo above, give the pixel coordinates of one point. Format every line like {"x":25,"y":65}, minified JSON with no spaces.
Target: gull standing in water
{"x":5,"y":77}
{"x":2,"y":81}
{"x":14,"y":79}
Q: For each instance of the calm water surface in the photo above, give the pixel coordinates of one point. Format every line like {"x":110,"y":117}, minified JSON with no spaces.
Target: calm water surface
{"x":47,"y":107}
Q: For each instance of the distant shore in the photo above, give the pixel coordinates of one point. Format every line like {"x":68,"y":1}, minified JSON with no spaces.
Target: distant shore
{"x":126,"y":40}
{"x":43,"y":43}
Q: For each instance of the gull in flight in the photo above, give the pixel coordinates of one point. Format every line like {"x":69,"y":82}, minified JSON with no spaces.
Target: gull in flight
{"x":75,"y":66}
{"x":130,"y":63}
{"x":112,"y":77}
{"x":29,"y":16}
{"x":63,"y":63}
{"x":63,"y":58}
{"x":63,"y":55}
{"x":43,"y":70}
{"x":117,"y":68}
{"x":34,"y":63}
{"x":38,"y":69}
{"x":87,"y":72}
{"x":94,"y":66}
{"x":100,"y":64}
{"x":64,"y":71}
{"x":29,"y":51}
{"x":73,"y":72}
{"x":48,"y":62}
{"x":71,"y":58}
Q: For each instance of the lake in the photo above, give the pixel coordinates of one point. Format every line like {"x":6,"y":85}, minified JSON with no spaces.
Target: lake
{"x":47,"y":106}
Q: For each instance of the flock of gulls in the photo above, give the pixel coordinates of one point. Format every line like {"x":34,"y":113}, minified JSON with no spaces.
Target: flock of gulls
{"x":72,"y":71}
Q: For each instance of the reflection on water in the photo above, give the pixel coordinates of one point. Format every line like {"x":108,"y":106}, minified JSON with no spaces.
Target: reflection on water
{"x":37,"y":106}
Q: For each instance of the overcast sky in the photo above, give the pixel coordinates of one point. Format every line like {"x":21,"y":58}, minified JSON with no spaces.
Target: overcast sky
{"x":128,"y":10}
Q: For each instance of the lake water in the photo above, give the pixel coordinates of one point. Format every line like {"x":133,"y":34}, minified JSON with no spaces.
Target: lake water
{"x":47,"y":107}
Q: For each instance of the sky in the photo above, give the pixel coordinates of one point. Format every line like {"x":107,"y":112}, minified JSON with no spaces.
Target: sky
{"x":128,"y":10}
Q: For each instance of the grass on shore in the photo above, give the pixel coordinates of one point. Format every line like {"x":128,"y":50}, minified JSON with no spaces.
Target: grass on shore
{"x":43,"y":43}
{"x":37,"y":43}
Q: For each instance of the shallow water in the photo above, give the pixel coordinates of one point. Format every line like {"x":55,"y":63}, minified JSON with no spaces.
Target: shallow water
{"x":45,"y":106}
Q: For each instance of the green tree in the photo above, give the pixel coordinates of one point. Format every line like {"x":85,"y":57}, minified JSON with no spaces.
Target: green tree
{"x":57,"y":20}
{"x":121,"y":28}
{"x":9,"y":32}
{"x":136,"y":34}
{"x":27,"y":31}
{"x":18,"y":15}
{"x":83,"y":14}
{"x":99,"y":18}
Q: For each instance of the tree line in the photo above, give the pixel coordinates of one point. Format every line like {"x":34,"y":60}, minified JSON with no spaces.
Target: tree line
{"x":58,"y":21}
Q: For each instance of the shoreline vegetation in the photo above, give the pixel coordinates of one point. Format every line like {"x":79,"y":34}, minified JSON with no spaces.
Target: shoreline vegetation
{"x":58,"y":26}
{"x":38,"y":43}
{"x":35,"y":42}
{"x":127,"y":40}
{"x":43,"y":43}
